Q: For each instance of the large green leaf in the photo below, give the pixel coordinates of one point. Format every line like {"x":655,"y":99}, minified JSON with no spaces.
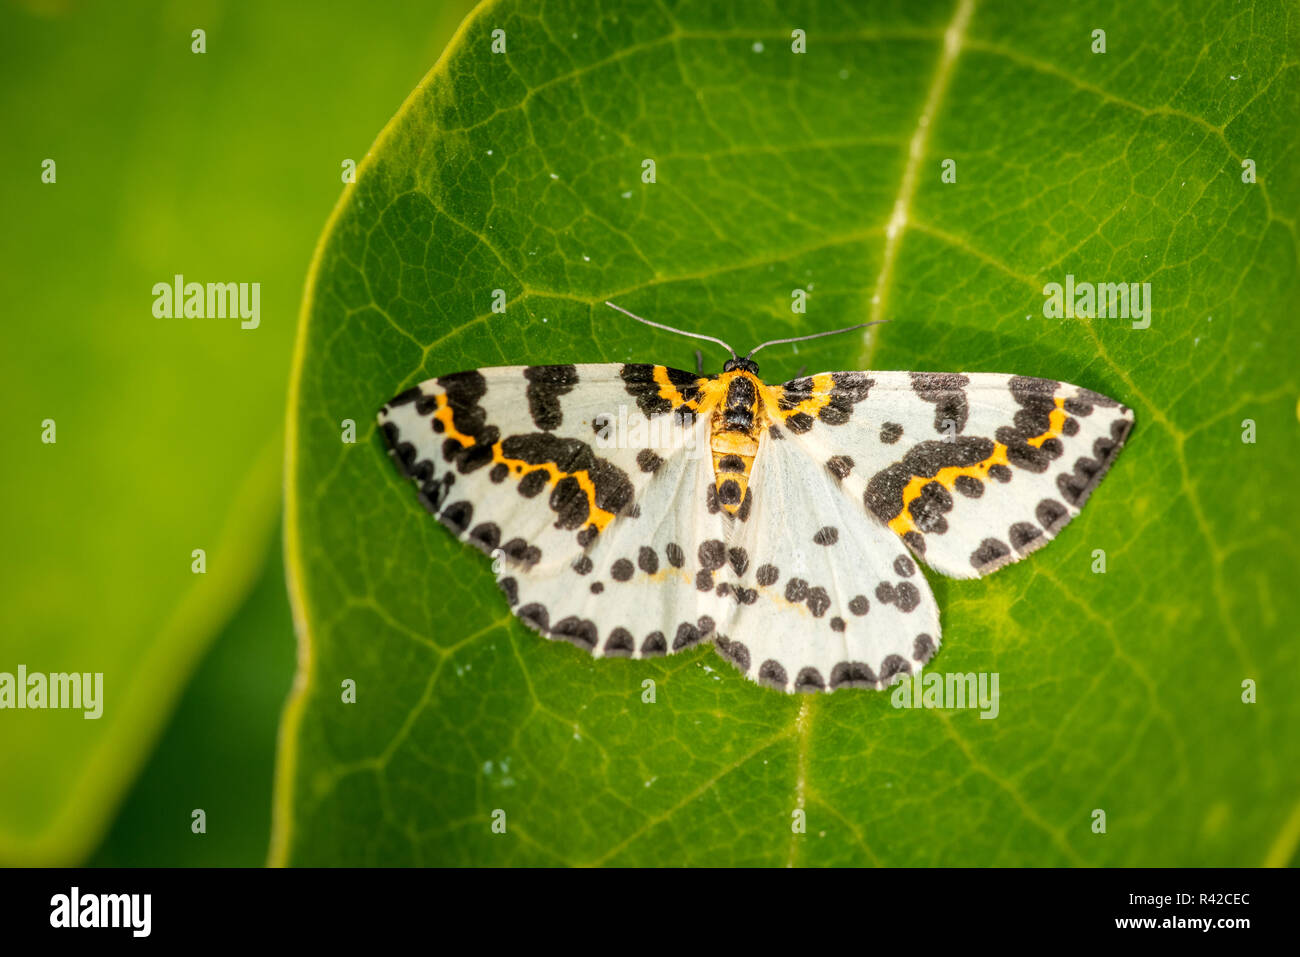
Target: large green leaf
{"x":1120,"y":691}
{"x":219,"y":166}
{"x":218,"y":751}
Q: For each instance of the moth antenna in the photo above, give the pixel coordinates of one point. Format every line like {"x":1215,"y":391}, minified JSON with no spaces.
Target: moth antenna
{"x":680,"y":332}
{"x":815,"y":335}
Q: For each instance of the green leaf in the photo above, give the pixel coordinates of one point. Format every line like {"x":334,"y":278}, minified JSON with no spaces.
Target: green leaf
{"x":219,"y":166}
{"x":218,"y":751}
{"x":1120,"y":692}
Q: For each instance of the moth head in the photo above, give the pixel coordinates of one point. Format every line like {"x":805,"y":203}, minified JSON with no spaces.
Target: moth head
{"x":742,"y":364}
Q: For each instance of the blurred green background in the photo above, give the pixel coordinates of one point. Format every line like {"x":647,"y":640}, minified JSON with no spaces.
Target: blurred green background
{"x":222,"y":166}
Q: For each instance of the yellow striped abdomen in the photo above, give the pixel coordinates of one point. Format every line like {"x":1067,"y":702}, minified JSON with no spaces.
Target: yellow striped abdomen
{"x":737,"y":424}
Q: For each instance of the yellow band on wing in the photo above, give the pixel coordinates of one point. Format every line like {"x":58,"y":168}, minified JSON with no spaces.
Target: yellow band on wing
{"x":519,"y":468}
{"x":823,"y":386}
{"x":902,"y":523}
{"x":708,"y":389}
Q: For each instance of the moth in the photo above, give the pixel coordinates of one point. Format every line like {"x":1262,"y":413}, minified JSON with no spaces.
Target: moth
{"x":637,"y":510}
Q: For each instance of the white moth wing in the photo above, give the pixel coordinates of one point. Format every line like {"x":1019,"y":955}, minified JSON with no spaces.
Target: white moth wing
{"x":510,"y":457}
{"x":595,"y":510}
{"x":972,"y":471}
{"x":826,"y":597}
{"x":644,"y":588}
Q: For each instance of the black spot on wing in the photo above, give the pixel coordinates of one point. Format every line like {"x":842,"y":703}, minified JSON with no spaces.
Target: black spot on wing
{"x":712,"y":554}
{"x":511,"y":589}
{"x":648,"y":461}
{"x":892,"y":667}
{"x":800,"y":422}
{"x":577,"y":631}
{"x":535,"y":616}
{"x":1023,"y":536}
{"x":809,"y":680}
{"x":545,"y":386}
{"x":906,"y":596}
{"x":826,"y":535}
{"x":947,"y":391}
{"x":742,"y":513}
{"x":532,"y":484}
{"x":457,"y":516}
{"x":852,"y":674}
{"x":619,"y":644}
{"x":1051,"y":514}
{"x":687,"y":635}
{"x":771,"y":673}
{"x":486,"y":535}
{"x":570,"y":503}
{"x":849,"y":389}
{"x":521,"y":553}
{"x":654,"y":645}
{"x":884,"y":493}
{"x":818,"y":601}
{"x":840,"y":466}
{"x":929,"y":509}
{"x":990,"y":554}
{"x":734,"y":651}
